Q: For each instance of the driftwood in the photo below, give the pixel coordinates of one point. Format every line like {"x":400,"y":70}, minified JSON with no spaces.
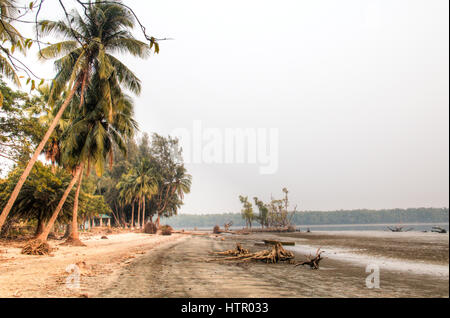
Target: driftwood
{"x":228,"y":225}
{"x":277,"y":254}
{"x":271,"y":242}
{"x":438,"y":229}
{"x":239,"y":250}
{"x":313,"y":262}
{"x":191,"y":233}
{"x":399,"y":229}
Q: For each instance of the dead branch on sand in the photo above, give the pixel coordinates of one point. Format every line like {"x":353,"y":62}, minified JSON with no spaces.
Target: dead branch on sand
{"x":438,"y":229}
{"x":228,"y":225}
{"x":239,"y":250}
{"x":312,"y":262}
{"x":399,"y":229}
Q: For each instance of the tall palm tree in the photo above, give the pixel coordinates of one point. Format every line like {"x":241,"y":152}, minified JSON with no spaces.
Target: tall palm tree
{"x":87,"y":51}
{"x":146,"y":185}
{"x":88,"y":142}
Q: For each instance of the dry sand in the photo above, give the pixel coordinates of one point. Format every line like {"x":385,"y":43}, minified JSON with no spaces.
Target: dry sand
{"x":140,"y":265}
{"x":99,"y":262}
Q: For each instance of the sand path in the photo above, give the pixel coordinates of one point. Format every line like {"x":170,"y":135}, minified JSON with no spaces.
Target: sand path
{"x":99,"y":262}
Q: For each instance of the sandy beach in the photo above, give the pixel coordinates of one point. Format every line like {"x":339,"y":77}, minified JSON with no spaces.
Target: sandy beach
{"x":99,"y":262}
{"x":412,"y":264}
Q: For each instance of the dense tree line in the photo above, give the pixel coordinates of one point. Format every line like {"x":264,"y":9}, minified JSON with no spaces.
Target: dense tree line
{"x":391,"y":216}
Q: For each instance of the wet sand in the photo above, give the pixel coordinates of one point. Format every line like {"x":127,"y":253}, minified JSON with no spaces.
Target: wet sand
{"x":183,"y":269}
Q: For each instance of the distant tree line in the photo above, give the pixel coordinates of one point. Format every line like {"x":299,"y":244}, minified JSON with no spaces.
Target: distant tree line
{"x":363,"y":216}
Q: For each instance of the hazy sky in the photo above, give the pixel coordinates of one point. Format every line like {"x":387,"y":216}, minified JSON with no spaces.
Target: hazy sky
{"x":358,"y":91}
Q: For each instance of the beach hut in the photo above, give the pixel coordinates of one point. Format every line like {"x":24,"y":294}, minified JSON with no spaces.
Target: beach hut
{"x":101,"y":220}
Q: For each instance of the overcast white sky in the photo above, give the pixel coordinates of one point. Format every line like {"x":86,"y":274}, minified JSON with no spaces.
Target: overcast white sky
{"x":358,"y":91}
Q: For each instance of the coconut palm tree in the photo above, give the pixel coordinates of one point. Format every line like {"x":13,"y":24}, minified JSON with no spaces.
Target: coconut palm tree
{"x":180,"y":185}
{"x":88,"y":143}
{"x":87,"y":51}
{"x":127,"y":189}
{"x":146,"y":185}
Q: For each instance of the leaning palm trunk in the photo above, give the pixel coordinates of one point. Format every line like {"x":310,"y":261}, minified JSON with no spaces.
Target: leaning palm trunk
{"x":74,"y":238}
{"x":43,"y":236}
{"x":36,"y":154}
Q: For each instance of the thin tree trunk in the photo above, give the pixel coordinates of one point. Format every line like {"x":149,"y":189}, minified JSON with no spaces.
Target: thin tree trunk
{"x":68,"y":231}
{"x":74,"y":236}
{"x":40,"y":227}
{"x":43,"y":236}
{"x":157,"y":222}
{"x":132,"y":215}
{"x":139,"y":213}
{"x":143,"y":214}
{"x":36,"y":154}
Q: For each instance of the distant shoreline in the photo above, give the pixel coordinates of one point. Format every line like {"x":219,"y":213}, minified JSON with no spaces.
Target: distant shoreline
{"x":418,"y":226}
{"x":372,"y":224}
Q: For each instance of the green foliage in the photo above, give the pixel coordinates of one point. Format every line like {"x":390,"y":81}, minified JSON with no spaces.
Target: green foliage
{"x":171,"y":176}
{"x":40,"y":194}
{"x":263,"y":215}
{"x":9,"y":36}
{"x":90,"y":42}
{"x":247,"y":211}
{"x":20,"y":129}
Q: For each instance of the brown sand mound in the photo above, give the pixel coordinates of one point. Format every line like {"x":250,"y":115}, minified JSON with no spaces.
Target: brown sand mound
{"x":73,"y":242}
{"x":150,"y":228}
{"x":166,"y":230}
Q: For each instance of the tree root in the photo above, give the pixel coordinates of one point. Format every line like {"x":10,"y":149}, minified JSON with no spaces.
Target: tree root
{"x":312,"y":262}
{"x":36,"y":247}
{"x":277,"y":254}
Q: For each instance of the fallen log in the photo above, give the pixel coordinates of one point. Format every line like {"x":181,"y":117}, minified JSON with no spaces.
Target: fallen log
{"x":239,"y":250}
{"x":271,"y":242}
{"x":190,"y":233}
{"x":312,"y":262}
